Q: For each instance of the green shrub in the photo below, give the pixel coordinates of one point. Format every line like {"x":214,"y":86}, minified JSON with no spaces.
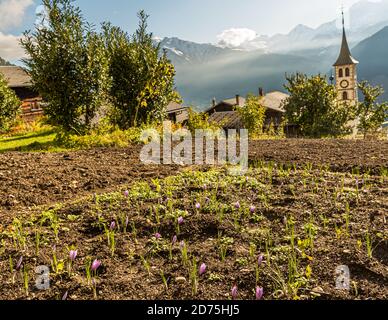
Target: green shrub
{"x":9,"y":106}
{"x":199,"y":120}
{"x":253,"y":116}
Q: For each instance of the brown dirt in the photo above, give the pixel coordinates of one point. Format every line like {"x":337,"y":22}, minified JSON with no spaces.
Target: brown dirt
{"x":338,"y":155}
{"x":28,"y":179}
{"x":31,"y":179}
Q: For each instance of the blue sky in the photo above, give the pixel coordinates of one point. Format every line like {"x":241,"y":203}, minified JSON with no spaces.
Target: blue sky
{"x":195,"y":20}
{"x":202,"y":20}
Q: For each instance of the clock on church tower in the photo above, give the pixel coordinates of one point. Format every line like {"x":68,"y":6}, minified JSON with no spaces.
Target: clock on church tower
{"x":346,"y":72}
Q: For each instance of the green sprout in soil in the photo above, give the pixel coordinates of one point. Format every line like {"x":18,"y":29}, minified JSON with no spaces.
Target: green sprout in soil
{"x":146,"y":264}
{"x":224,"y":244}
{"x":164,"y":279}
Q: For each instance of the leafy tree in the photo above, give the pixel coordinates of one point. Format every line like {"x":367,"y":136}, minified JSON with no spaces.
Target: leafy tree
{"x":371,"y":114}
{"x":67,"y":63}
{"x":313,"y":106}
{"x":142,"y":80}
{"x":9,"y":105}
{"x":253,"y":115}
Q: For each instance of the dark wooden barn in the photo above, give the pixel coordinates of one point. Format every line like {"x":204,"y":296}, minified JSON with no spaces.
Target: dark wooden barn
{"x":224,"y":112}
{"x":20,"y":82}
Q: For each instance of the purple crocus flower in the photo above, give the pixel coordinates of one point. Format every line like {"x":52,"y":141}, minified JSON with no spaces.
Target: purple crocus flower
{"x":126,"y":193}
{"x":174,"y":240}
{"x":259,"y":293}
{"x":198,"y":206}
{"x":237,"y":205}
{"x":65,"y":296}
{"x":19,"y":264}
{"x":126,"y":222}
{"x":252,"y":209}
{"x":73,"y":255}
{"x":158,"y":236}
{"x":260,"y":260}
{"x":182,"y":244}
{"x":95,"y":265}
{"x":202,"y":269}
{"x":112,"y":226}
{"x":181,"y":220}
{"x":234,"y":292}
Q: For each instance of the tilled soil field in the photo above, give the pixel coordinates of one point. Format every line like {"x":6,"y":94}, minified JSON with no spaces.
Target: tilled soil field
{"x":31,"y":179}
{"x":28,"y":179}
{"x":308,"y":208}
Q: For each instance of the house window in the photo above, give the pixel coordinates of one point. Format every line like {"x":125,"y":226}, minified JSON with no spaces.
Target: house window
{"x":347,"y":72}
{"x":345,"y":96}
{"x":341,"y":73}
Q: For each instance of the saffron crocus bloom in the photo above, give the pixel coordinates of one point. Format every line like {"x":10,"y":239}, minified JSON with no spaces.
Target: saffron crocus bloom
{"x":181,"y":220}
{"x":202,"y":269}
{"x":198,"y":205}
{"x":158,"y":236}
{"x":19,"y":264}
{"x":73,"y":255}
{"x":126,"y":193}
{"x":252,"y":209}
{"x":237,"y":205}
{"x":260,"y":260}
{"x":174,"y":240}
{"x":126,"y":222}
{"x":112,"y":226}
{"x":65,"y":296}
{"x":95,"y":265}
{"x":259,"y":293}
{"x":234,"y":292}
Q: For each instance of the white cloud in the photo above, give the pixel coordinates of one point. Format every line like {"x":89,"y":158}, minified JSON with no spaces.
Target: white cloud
{"x":12,"y":12}
{"x":235,"y":37}
{"x":10,"y":48}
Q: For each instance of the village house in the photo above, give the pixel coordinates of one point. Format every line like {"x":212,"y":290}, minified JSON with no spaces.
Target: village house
{"x":20,"y":82}
{"x":177,"y":113}
{"x":224,"y":112}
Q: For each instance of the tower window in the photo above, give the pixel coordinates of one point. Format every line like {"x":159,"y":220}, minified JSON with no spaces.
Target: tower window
{"x":345,"y":96}
{"x":347,"y":72}
{"x":341,"y":73}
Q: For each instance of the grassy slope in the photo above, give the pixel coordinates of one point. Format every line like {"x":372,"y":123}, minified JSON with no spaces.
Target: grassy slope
{"x":43,"y":140}
{"x":40,"y":140}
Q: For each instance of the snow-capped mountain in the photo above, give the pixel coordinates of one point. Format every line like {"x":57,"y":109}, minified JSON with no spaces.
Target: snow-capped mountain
{"x":187,"y":52}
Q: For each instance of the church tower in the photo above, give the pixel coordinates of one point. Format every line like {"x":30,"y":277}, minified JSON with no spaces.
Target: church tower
{"x":346,"y":72}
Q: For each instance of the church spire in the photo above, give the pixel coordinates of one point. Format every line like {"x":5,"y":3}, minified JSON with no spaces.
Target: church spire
{"x":345,"y":57}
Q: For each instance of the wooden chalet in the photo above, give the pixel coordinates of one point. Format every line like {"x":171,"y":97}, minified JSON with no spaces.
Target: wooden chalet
{"x":177,"y":113}
{"x":20,"y":82}
{"x":225,"y":112}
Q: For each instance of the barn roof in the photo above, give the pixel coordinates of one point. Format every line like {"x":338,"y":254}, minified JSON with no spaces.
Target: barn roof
{"x":274,"y":100}
{"x":228,"y":119}
{"x":17,"y":77}
{"x":174,"y":107}
{"x":233,"y":101}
